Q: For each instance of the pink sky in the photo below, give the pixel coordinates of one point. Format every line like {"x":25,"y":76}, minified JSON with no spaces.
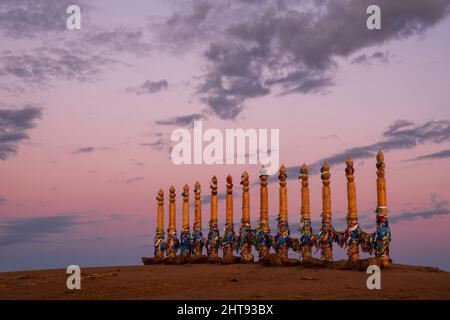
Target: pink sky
{"x":106,"y":197}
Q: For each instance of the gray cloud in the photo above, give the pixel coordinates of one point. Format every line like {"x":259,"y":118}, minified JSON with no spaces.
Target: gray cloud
{"x":157,"y":145}
{"x":26,"y":230}
{"x":89,"y":149}
{"x":181,"y":120}
{"x":2,"y":200}
{"x":122,"y":39}
{"x":84,"y":150}
{"x":82,"y":55}
{"x":133,"y":180}
{"x":14,"y":127}
{"x":255,"y":48}
{"x":182,"y":29}
{"x":374,"y":57}
{"x":437,"y":155}
{"x":149,"y":87}
{"x":438,"y":207}
{"x":34,"y":18}
{"x":402,"y":134}
{"x":43,"y":64}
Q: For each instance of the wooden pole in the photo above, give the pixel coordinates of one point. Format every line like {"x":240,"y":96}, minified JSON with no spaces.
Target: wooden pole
{"x":263,"y":238}
{"x":383,"y":234}
{"x":172,"y":239}
{"x":245,"y":197}
{"x":326,"y":233}
{"x":353,"y":231}
{"x":283,"y":193}
{"x":213,"y":241}
{"x":229,"y":237}
{"x":229,"y":200}
{"x":197,"y":235}
{"x":185,"y":237}
{"x":185,"y":195}
{"x":306,"y":234}
{"x":160,"y":212}
{"x":159,"y":236}
{"x":282,"y":239}
{"x":245,"y":231}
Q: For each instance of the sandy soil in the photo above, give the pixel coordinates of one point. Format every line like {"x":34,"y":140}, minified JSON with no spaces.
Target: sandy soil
{"x":236,"y":281}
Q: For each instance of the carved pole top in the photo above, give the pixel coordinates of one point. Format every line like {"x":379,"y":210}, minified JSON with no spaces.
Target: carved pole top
{"x":229,"y":184}
{"x":303,"y":170}
{"x":380,"y":156}
{"x":172,"y":194}
{"x":349,"y":170}
{"x":244,"y":177}
{"x":325,"y":174}
{"x":197,"y":187}
{"x":263,"y":172}
{"x":282,"y":176}
{"x":213,"y":185}
{"x":185,"y":193}
{"x":380,"y":164}
{"x":160,"y":197}
{"x":349,"y":161}
{"x":304,"y":175}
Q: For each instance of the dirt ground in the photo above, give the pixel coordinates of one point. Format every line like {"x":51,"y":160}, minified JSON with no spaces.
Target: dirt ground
{"x":237,"y":281}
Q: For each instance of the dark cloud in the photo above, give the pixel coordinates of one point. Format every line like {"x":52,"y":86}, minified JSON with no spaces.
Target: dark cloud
{"x":122,"y":39}
{"x":255,"y":48}
{"x":133,"y":180}
{"x":85,"y":150}
{"x":149,"y":87}
{"x":437,"y":155}
{"x":402,"y":134}
{"x":2,"y":200}
{"x":89,"y":149}
{"x":26,"y":230}
{"x":36,"y":18}
{"x":157,"y":145}
{"x":14,"y":127}
{"x":438,"y":207}
{"x":374,"y":57}
{"x":43,"y":64}
{"x":160,"y":141}
{"x":181,"y":120}
{"x":80,"y":55}
{"x":183,"y":29}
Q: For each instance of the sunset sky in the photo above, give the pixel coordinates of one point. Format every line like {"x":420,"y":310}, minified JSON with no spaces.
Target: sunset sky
{"x":86,"y":117}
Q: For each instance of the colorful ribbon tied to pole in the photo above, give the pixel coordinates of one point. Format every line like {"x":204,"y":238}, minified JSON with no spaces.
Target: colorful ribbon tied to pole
{"x":282,"y":238}
{"x":198,"y":241}
{"x":326,"y":236}
{"x":213,"y":240}
{"x":367,"y":242}
{"x":159,"y":244}
{"x":186,"y":243}
{"x":352,"y":235}
{"x":245,"y":238}
{"x":229,"y":239}
{"x":173,"y":243}
{"x":382,"y":237}
{"x":263,"y":240}
{"x":307,"y":237}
